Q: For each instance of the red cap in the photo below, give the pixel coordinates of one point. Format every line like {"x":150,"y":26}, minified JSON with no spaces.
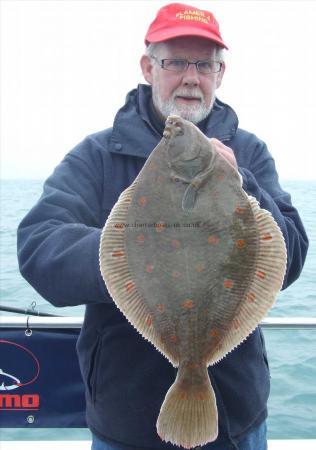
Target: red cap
{"x":175,"y":20}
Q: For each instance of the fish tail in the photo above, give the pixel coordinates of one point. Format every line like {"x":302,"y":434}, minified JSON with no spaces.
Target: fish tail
{"x":188,"y":415}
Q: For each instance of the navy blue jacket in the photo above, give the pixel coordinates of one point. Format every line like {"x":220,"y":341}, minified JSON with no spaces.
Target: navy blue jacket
{"x":58,"y":243}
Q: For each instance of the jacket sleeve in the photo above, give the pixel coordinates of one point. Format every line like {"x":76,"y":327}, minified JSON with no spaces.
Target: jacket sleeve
{"x":58,"y":240}
{"x":261,"y":181}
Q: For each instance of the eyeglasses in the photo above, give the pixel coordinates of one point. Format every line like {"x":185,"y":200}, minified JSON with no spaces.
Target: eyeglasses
{"x":181,"y":65}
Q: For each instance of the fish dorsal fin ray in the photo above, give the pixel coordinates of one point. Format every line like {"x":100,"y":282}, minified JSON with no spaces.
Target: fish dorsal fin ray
{"x":118,"y":278}
{"x":264,"y":286}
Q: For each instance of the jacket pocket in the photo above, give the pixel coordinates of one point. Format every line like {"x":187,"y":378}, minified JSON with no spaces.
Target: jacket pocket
{"x":93,"y":370}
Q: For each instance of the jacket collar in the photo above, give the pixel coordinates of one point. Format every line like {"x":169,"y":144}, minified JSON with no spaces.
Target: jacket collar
{"x":133,"y":134}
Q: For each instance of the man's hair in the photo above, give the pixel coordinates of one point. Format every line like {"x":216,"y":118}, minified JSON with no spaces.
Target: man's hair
{"x":151,"y":49}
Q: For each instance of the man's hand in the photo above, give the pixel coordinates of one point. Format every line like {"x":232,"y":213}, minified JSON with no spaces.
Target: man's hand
{"x":225,"y":152}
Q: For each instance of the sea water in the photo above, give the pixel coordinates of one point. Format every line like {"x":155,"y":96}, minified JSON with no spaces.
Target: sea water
{"x":292,"y":353}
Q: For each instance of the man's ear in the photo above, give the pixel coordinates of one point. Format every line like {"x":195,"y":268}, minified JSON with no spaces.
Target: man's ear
{"x":147,"y":68}
{"x":220,"y":76}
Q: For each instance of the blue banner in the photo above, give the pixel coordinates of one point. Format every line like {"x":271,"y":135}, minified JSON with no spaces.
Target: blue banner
{"x":40,"y":380}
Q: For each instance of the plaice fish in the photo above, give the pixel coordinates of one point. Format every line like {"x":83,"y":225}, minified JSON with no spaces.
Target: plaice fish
{"x":194,"y":264}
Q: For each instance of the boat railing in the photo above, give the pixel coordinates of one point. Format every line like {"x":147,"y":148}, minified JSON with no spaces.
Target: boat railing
{"x":75,"y":322}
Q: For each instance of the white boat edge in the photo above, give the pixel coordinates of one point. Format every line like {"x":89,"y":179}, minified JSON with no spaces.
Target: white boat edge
{"x":75,"y":322}
{"x":274,"y":444}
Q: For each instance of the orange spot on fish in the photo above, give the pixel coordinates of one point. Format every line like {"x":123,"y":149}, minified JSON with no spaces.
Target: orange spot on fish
{"x":160,"y":227}
{"x":200,"y":395}
{"x":128,"y":200}
{"x":192,"y":366}
{"x":173,"y":338}
{"x":236,"y":324}
{"x":142,"y":201}
{"x":130,"y":286}
{"x":176,"y":274}
{"x":240,"y":209}
{"x":261,"y":274}
{"x":149,"y":268}
{"x":221,"y":177}
{"x":200,"y":267}
{"x":118,"y":253}
{"x":251,"y":297}
{"x":149,"y":321}
{"x":140,"y":238}
{"x":214,"y":332}
{"x":161,"y":307}
{"x":175,"y":243}
{"x":183,"y":395}
{"x":228,"y":283}
{"x":160,"y":178}
{"x":240,"y":243}
{"x":187,"y":304}
{"x":266,"y":237}
{"x":213,"y":239}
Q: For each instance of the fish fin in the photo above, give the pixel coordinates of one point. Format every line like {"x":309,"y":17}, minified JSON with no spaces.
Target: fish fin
{"x":266,"y":282}
{"x":118,"y":279}
{"x":189,"y":197}
{"x":188,"y":416}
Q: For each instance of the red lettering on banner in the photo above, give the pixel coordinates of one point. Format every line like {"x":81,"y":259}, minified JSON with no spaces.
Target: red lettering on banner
{"x":16,"y":401}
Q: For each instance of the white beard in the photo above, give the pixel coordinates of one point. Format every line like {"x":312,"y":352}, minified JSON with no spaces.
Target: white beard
{"x":194,"y":113}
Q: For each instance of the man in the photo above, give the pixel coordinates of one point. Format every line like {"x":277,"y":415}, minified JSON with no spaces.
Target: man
{"x":126,"y":379}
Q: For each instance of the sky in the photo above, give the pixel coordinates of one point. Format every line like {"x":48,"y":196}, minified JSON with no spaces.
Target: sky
{"x":67,"y":65}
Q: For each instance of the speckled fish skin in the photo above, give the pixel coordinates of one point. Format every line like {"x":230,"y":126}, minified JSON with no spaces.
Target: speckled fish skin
{"x":194,"y":264}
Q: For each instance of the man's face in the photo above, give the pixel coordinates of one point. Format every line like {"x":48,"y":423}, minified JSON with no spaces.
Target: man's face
{"x":189,"y":94}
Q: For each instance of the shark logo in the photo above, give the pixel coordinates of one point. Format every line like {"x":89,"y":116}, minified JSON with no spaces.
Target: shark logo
{"x":17,"y":353}
{"x":19,"y":368}
{"x":6,"y":379}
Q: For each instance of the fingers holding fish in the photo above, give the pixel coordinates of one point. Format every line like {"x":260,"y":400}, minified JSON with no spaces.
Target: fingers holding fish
{"x":226,"y":152}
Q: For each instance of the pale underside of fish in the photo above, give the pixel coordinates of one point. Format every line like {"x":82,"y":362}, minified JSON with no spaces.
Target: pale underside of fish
{"x":194,"y":264}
